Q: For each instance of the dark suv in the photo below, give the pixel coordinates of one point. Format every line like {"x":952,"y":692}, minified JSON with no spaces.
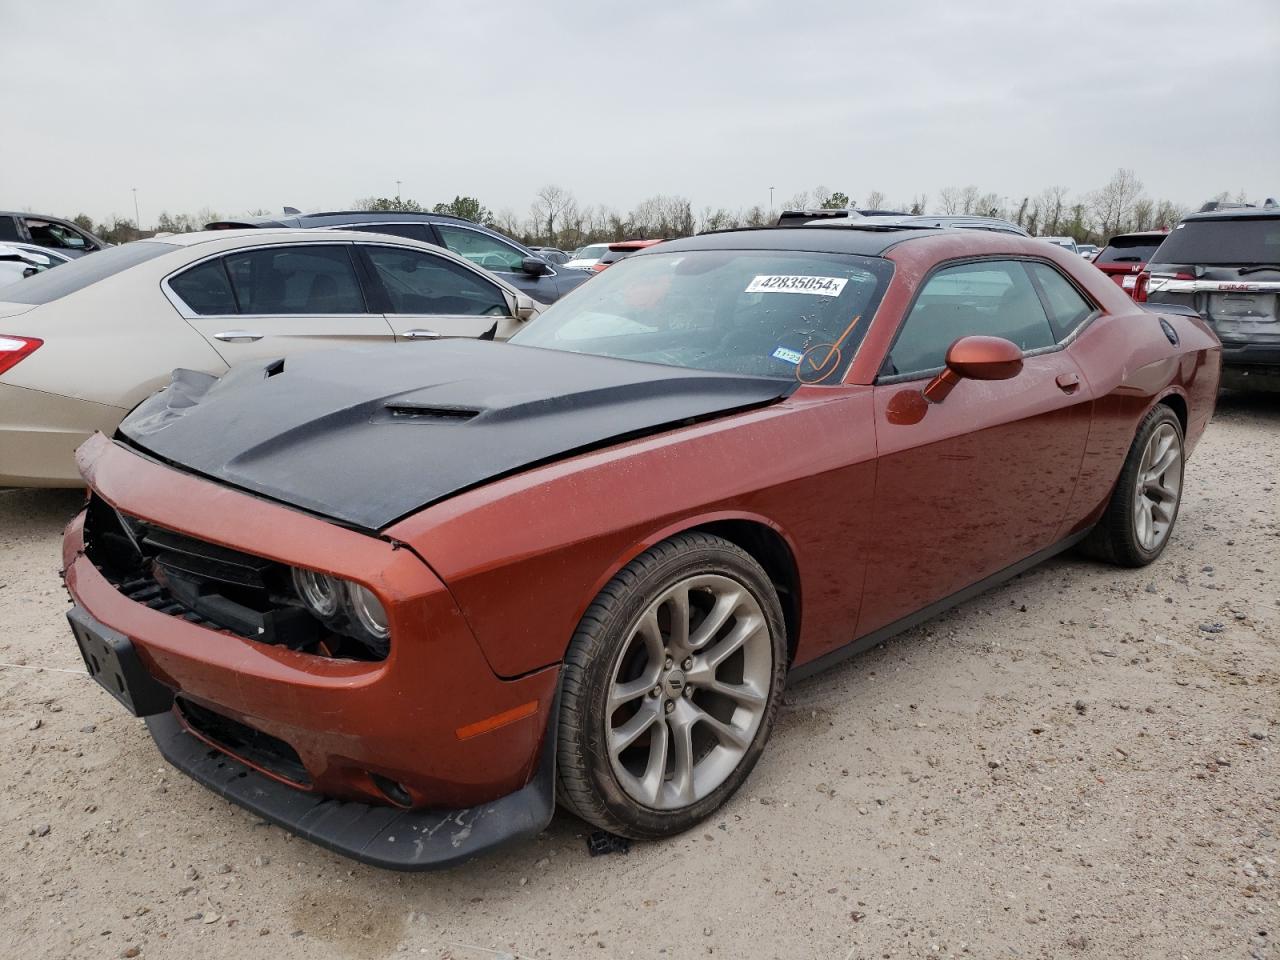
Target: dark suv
{"x":511,"y":260}
{"x":1225,"y":265}
{"x":52,"y":232}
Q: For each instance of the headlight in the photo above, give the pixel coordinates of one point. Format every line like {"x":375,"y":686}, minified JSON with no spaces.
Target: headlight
{"x":319,"y":591}
{"x":366,"y":610}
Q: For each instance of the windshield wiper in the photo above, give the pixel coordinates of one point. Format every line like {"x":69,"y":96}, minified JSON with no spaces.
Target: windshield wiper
{"x":1125,"y":259}
{"x":1259,"y":266}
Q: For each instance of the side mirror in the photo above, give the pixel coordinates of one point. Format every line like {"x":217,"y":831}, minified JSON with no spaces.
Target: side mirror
{"x":525,"y":309}
{"x":535,"y":267}
{"x":975,"y":358}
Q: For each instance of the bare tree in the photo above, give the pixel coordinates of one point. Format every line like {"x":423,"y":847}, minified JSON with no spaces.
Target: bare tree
{"x":920,"y":204}
{"x":551,"y":202}
{"x":951,"y":200}
{"x":1112,"y":204}
{"x":876,"y":200}
{"x":1052,"y":202}
{"x":798,"y":201}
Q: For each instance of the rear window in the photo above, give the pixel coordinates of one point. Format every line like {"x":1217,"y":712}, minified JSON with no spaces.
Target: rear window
{"x":1129,"y":250}
{"x":1241,"y":241}
{"x":56,"y":284}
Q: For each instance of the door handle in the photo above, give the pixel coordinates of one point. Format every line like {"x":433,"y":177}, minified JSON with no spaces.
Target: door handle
{"x":421,"y":335}
{"x":1068,"y":382}
{"x":237,"y":336}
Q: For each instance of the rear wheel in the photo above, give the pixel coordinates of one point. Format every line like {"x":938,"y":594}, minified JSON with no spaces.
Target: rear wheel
{"x":1138,"y":521}
{"x":671,"y":685}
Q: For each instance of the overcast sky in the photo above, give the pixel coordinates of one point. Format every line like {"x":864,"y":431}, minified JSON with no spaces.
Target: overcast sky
{"x":241,"y":105}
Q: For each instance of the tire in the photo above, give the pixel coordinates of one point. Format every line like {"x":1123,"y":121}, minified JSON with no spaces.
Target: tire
{"x":693,"y":737}
{"x":1122,"y":536}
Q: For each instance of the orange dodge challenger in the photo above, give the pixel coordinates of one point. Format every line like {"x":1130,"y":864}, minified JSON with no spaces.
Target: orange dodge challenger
{"x":401,"y":602}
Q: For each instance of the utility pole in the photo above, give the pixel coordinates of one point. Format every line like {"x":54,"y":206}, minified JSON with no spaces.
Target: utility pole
{"x":137,"y":219}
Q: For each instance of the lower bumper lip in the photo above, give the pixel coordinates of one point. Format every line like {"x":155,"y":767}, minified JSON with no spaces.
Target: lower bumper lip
{"x":379,"y":835}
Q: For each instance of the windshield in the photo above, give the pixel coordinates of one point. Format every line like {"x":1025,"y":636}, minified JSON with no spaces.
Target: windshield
{"x":1129,"y":250}
{"x":782,"y":314}
{"x":52,"y":284}
{"x":593,"y":252}
{"x":1241,"y":241}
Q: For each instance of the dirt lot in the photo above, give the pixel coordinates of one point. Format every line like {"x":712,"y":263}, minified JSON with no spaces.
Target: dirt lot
{"x":1081,"y":763}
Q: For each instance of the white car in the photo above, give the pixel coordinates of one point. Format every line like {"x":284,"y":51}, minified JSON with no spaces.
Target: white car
{"x":20,"y":260}
{"x":83,"y":344}
{"x":587,"y":257}
{"x":1066,"y":243}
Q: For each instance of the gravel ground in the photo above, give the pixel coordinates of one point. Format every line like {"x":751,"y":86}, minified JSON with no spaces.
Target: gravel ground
{"x":1081,"y":763}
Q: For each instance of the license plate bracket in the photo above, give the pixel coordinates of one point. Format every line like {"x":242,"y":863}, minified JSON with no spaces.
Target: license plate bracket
{"x":112,"y":660}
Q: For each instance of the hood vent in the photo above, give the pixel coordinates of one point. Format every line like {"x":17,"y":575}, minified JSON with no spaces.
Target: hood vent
{"x":421,"y":412}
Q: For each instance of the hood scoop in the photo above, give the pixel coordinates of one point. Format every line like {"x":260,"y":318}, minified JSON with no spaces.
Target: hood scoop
{"x":423,"y":413}
{"x":329,"y":434}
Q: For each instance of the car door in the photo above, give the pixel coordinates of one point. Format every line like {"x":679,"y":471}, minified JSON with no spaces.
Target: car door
{"x":982,"y":480}
{"x":425,"y":296}
{"x":274,"y":300}
{"x":501,"y":258}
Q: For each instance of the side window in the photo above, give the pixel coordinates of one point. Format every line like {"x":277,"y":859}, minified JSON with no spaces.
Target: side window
{"x":417,"y":282}
{"x":481,"y":249}
{"x":301,"y":279}
{"x":993,"y":298}
{"x":8,"y":228}
{"x":55,"y":235}
{"x":205,"y":289}
{"x":414,"y":231}
{"x":1067,"y":308}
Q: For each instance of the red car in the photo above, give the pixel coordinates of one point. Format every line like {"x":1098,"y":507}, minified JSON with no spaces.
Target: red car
{"x":1126,"y":254}
{"x":620,"y":251}
{"x":403,"y":603}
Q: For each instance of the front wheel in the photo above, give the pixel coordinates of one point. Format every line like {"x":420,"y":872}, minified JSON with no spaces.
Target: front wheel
{"x":1137,"y":523}
{"x":671,"y":686}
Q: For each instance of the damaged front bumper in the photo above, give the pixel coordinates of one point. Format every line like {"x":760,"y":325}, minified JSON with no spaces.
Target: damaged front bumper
{"x":417,"y":761}
{"x":376,"y":834}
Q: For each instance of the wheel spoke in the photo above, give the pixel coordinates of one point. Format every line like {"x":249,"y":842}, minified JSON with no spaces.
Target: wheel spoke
{"x":678,"y":606}
{"x":742,"y":631}
{"x":682,"y":756}
{"x":655,"y":770}
{"x":624,"y":736}
{"x":622,"y":693}
{"x":724,"y":607}
{"x":726,"y":733}
{"x":1165,"y":461}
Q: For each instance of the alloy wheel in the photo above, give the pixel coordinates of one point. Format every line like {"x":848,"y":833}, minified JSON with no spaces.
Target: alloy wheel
{"x":1159,"y":487}
{"x":688,"y":692}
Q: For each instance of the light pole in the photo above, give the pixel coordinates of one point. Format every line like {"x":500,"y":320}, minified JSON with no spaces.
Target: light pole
{"x":397,"y":193}
{"x":137,"y":219}
{"x":771,"y":201}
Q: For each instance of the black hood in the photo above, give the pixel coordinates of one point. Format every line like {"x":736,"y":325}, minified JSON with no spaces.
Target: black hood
{"x":368,"y":435}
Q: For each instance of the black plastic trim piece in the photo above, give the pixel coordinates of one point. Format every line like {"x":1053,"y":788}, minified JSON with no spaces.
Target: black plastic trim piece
{"x":110,"y":658}
{"x":891,"y":630}
{"x":381,"y":836}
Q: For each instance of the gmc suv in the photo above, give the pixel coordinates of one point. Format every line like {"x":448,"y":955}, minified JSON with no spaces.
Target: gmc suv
{"x":1225,"y":265}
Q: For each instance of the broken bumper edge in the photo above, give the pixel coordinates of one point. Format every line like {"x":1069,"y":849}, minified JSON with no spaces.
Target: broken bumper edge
{"x":381,"y":836}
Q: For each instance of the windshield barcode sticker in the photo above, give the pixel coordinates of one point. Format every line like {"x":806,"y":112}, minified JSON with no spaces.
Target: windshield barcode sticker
{"x":815,"y":286}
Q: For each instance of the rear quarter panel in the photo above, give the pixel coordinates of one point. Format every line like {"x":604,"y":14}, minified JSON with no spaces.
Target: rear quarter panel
{"x":525,"y":556}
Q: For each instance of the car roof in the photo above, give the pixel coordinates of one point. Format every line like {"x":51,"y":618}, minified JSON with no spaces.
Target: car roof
{"x":347,"y":216}
{"x":957,"y":221}
{"x":1235,"y":213}
{"x":853,"y":236}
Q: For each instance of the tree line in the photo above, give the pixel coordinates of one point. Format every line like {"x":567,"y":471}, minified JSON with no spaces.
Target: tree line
{"x":556,"y":218}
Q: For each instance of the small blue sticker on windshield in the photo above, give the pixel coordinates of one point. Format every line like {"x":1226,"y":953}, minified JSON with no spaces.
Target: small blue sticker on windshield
{"x":790,"y":356}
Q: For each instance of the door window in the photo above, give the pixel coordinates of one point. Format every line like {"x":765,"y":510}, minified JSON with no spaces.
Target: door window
{"x":991,"y":298}
{"x":302,"y":279}
{"x":56,"y":235}
{"x":205,"y":289}
{"x":1067,"y":308}
{"x":419,"y":283}
{"x":413,"y":231}
{"x":481,"y":249}
{"x":8,"y":228}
